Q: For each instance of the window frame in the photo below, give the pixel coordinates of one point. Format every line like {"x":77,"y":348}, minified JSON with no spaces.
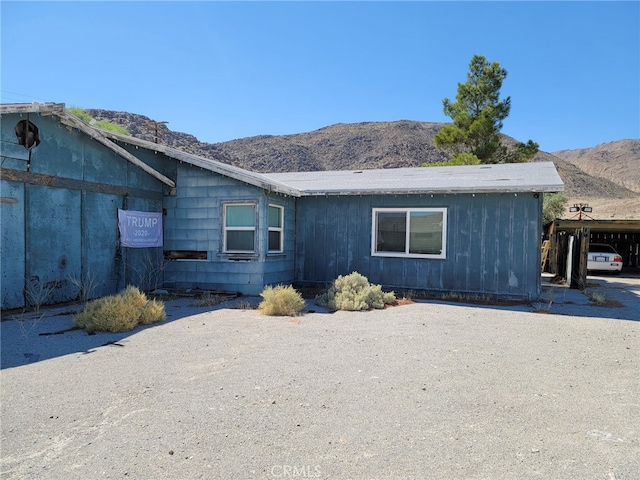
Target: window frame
{"x":279,"y":229}
{"x":407,"y":212}
{"x":226,"y":229}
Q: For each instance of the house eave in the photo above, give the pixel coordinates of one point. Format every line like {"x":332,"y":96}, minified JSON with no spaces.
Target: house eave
{"x":34,"y":107}
{"x":246,"y":176}
{"x":432,"y":191}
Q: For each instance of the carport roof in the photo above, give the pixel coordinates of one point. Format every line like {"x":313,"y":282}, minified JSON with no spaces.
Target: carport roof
{"x":627,"y":226}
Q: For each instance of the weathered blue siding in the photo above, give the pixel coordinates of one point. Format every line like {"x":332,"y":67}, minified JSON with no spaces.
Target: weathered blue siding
{"x":193,"y":221}
{"x":53,"y":241}
{"x":59,"y":223}
{"x":12,"y":248}
{"x":492,"y":243}
{"x":62,"y":228}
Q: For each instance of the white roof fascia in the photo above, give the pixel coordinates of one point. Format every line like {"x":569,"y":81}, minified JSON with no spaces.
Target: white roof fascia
{"x":35,"y":107}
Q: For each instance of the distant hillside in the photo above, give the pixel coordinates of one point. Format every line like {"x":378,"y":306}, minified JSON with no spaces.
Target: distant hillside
{"x":401,"y":143}
{"x":616,"y":161}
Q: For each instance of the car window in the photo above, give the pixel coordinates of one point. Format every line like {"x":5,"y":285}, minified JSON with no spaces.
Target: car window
{"x":602,"y":248}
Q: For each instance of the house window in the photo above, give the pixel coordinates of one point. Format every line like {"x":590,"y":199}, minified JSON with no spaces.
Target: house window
{"x":276,"y":216}
{"x":409,"y":232}
{"x":239,"y":227}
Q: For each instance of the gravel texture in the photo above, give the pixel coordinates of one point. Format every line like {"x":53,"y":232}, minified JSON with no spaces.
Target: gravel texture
{"x":430,"y":390}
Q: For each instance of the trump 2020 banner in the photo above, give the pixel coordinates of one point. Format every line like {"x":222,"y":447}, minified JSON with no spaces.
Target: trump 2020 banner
{"x":140,"y":229}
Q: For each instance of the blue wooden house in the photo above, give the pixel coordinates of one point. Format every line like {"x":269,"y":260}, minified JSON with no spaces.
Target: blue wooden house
{"x":472,"y":230}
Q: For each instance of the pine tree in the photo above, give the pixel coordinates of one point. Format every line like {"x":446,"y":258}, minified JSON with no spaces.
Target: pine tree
{"x":477,"y":114}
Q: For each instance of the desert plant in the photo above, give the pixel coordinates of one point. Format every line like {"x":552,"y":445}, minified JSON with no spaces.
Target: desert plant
{"x":134,"y":296}
{"x":152,"y":312}
{"x":83,"y":115}
{"x":37,"y":293}
{"x":208,"y":299}
{"x":544,"y":302}
{"x":409,"y":295}
{"x":597,"y":298}
{"x":354,"y":292}
{"x":281,"y":300}
{"x":243,"y":305}
{"x":120,"y":313}
{"x":27,"y":322}
{"x":113,"y":127}
{"x":554,"y":206}
{"x":86,"y":284}
{"x":148,"y":271}
{"x":108,"y":314}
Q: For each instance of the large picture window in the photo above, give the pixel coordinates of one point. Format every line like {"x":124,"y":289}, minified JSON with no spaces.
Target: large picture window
{"x":276,"y":217}
{"x":409,"y":232}
{"x":240,"y":227}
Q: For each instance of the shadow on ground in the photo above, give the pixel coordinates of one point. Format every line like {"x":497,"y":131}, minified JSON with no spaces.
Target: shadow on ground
{"x":29,"y":338}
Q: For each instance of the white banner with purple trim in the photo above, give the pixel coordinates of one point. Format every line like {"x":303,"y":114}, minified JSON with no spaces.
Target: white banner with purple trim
{"x":140,"y":229}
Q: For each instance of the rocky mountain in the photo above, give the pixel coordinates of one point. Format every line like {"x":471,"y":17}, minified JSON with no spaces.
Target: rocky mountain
{"x":607,"y":177}
{"x":616,"y":161}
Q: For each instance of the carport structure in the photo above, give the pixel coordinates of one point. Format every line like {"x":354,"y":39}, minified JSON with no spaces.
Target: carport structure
{"x":623,"y":235}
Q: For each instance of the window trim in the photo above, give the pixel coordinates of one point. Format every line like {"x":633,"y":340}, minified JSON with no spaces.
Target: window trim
{"x":407,"y":211}
{"x":276,"y":229}
{"x":226,"y":229}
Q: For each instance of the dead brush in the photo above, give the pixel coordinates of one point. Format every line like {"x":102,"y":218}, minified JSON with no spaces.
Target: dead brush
{"x":244,"y":305}
{"x":601,"y":300}
{"x":281,"y":301}
{"x":120,"y":313}
{"x":208,"y":299}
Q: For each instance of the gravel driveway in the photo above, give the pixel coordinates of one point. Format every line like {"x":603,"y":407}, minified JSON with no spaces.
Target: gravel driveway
{"x":430,"y":390}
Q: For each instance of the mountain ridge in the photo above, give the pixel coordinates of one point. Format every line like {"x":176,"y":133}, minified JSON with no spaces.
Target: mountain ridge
{"x":401,"y":143}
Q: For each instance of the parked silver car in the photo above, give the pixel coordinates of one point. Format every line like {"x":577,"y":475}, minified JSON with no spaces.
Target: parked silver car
{"x":603,"y":257}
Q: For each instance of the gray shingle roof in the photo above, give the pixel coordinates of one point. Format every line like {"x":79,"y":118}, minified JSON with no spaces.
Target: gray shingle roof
{"x":513,"y":177}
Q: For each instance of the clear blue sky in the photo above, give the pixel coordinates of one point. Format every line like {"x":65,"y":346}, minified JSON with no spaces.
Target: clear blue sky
{"x":228,"y":70}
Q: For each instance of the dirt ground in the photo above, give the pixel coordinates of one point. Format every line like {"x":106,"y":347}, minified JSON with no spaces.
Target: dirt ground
{"x":430,"y":390}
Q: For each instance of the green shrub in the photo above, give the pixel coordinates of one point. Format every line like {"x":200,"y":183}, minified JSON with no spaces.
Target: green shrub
{"x":281,"y":300}
{"x":120,"y":313}
{"x":83,"y":115}
{"x":113,"y":127}
{"x":354,"y":292}
{"x":461,"y":159}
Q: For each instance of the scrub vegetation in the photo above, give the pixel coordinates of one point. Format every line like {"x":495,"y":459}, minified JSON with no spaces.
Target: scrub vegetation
{"x":281,"y":301}
{"x":354,"y":292}
{"x":83,"y":115}
{"x":554,"y":206}
{"x":208,"y":299}
{"x":121,"y":312}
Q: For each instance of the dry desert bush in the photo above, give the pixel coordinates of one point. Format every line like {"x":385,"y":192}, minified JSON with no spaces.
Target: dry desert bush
{"x":121,"y":312}
{"x":281,"y":301}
